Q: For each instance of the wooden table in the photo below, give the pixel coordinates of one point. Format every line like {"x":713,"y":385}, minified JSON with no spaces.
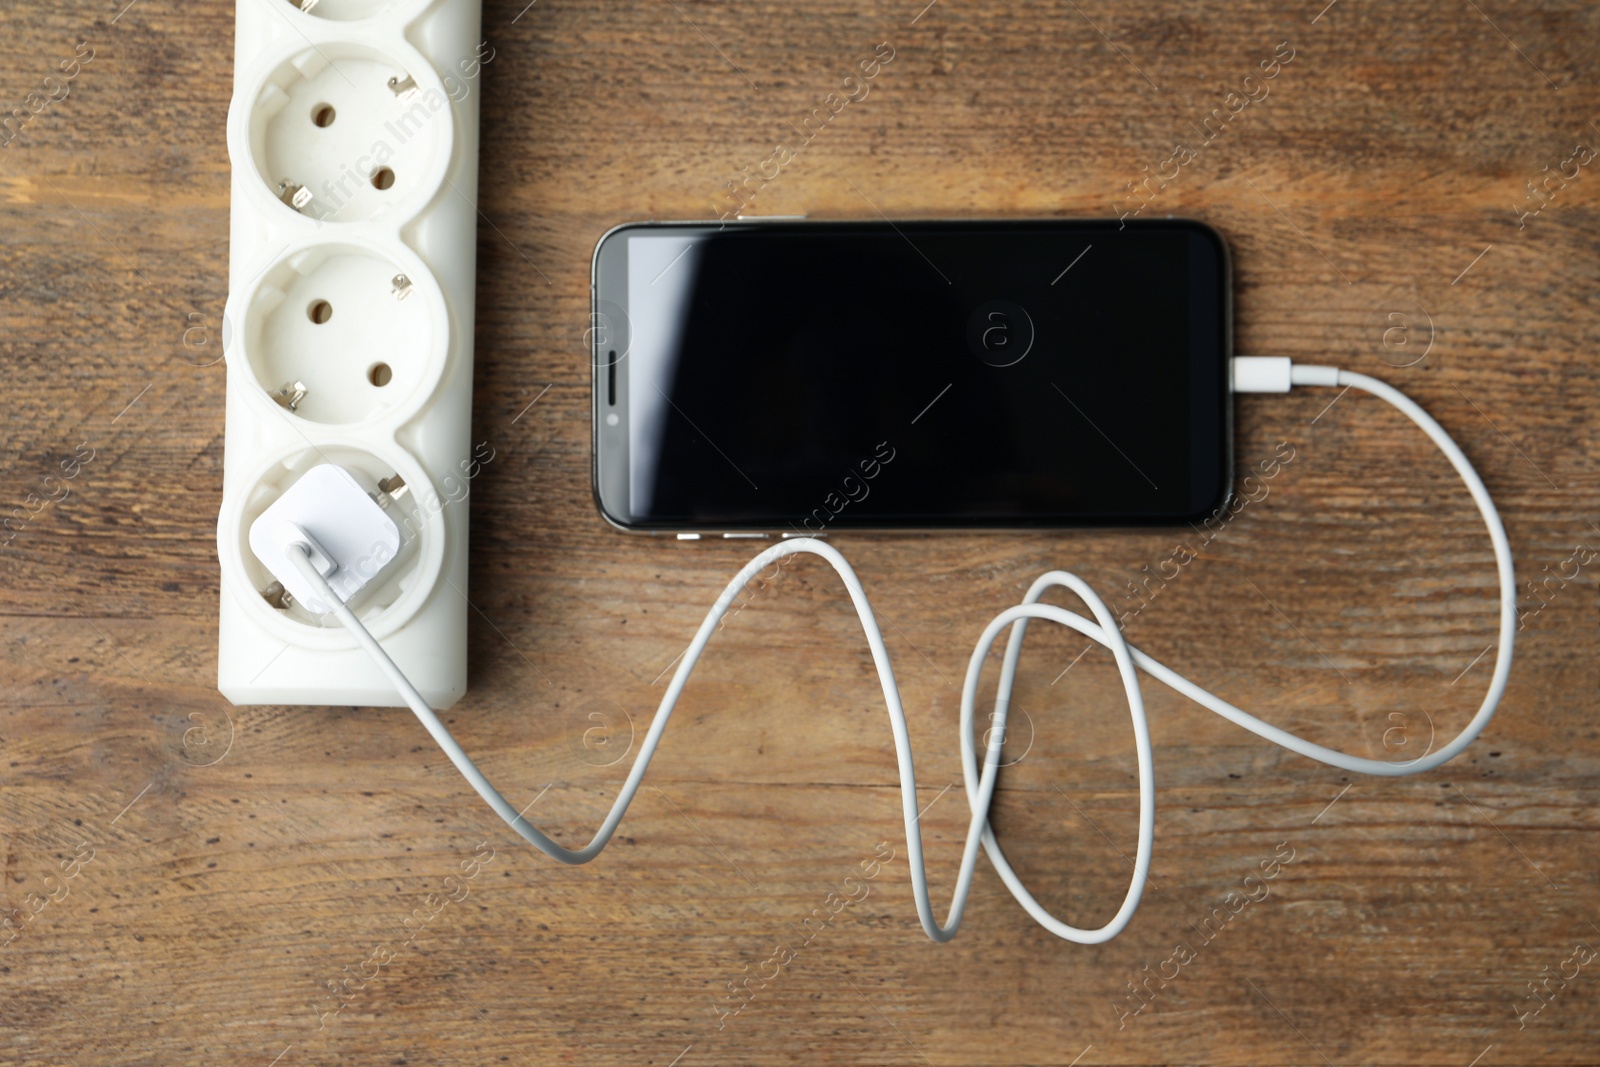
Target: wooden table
{"x":213,"y":871}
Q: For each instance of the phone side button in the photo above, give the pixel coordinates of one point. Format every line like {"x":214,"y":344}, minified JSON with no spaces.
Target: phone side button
{"x":745,"y":536}
{"x":688,"y":537}
{"x":818,"y":536}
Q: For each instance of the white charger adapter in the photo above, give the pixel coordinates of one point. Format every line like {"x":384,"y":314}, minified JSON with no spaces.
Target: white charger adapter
{"x":345,"y":532}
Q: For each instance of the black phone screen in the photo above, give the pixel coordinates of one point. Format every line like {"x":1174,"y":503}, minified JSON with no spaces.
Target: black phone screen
{"x":808,"y":376}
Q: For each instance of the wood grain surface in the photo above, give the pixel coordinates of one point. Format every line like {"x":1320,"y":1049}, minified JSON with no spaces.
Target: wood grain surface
{"x":193,"y":879}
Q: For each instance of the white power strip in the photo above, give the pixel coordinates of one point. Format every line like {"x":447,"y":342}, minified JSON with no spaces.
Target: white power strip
{"x":353,"y":135}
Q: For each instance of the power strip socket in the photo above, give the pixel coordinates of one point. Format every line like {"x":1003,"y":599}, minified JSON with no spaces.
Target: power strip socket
{"x":353,"y":135}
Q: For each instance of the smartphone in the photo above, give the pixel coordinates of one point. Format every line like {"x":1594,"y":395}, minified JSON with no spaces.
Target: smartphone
{"x":789,"y":377}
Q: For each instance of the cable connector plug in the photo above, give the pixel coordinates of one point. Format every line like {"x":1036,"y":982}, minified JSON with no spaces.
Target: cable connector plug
{"x":1261,"y":374}
{"x":1276,"y":374}
{"x":345,"y":535}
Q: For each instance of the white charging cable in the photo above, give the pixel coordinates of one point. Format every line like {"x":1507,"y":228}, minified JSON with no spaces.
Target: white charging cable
{"x":1250,"y":374}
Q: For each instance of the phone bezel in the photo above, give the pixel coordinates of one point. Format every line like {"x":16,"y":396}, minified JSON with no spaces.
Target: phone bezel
{"x":609,"y":443}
